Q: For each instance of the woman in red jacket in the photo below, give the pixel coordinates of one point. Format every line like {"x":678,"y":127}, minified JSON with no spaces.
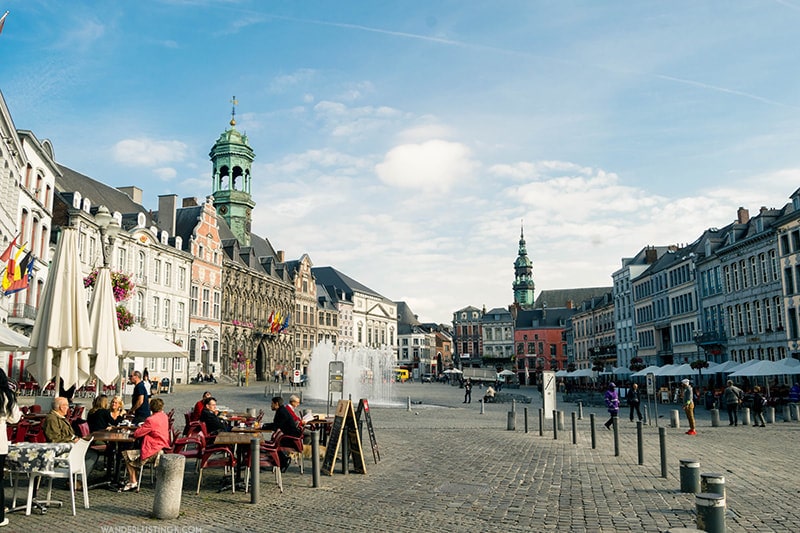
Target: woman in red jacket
{"x":154,"y":433}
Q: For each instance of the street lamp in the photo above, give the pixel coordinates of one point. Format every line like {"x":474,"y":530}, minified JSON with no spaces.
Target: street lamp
{"x":109,"y":229}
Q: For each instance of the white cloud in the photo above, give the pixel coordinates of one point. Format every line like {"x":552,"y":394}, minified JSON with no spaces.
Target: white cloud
{"x":432,"y":166}
{"x":149,"y":152}
{"x":287,"y":82}
{"x":165,"y":173}
{"x":355,"y":123}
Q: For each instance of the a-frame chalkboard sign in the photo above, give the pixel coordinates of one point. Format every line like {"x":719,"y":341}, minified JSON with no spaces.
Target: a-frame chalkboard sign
{"x":363,"y":409}
{"x":344,"y":419}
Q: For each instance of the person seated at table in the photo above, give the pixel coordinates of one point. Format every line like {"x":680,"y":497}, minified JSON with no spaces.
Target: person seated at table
{"x":283,"y":420}
{"x":99,"y":416}
{"x":198,"y":407}
{"x":117,"y":409}
{"x":210,"y":417}
{"x":57,"y":429}
{"x":489,"y":396}
{"x":155,"y":438}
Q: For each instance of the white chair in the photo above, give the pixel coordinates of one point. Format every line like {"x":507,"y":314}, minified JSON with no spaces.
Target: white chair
{"x":75,"y":466}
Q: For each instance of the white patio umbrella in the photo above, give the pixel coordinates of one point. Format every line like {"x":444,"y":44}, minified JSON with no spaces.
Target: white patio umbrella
{"x":759,"y":368}
{"x":663,"y":371}
{"x":106,"y":341}
{"x":621,"y":371}
{"x":792,"y":364}
{"x":12,"y":341}
{"x":506,"y":372}
{"x":643,"y":372}
{"x":61,"y":337}
{"x":138,"y":342}
{"x":726,"y":367}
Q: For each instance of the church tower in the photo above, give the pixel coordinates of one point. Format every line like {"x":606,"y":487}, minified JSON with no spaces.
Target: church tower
{"x":523,"y":276}
{"x":232,"y":158}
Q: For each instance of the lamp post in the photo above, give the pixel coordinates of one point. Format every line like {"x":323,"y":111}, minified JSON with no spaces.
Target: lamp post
{"x":109,"y":229}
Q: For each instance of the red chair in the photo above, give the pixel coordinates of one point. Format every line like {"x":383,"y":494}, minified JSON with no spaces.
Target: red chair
{"x":35,"y":433}
{"x":20,"y":430}
{"x":293,"y":446}
{"x":36,"y":409}
{"x":268,"y":458}
{"x":191,"y":446}
{"x":83,"y":429}
{"x":218,"y":457}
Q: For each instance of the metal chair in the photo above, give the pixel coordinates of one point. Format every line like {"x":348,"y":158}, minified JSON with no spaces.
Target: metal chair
{"x":218,"y":457}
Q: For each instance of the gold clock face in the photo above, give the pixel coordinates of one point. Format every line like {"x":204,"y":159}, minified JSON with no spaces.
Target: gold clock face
{"x":223,"y":209}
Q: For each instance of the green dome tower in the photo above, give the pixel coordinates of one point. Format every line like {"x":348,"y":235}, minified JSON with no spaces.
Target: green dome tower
{"x":523,"y":276}
{"x":232,"y":159}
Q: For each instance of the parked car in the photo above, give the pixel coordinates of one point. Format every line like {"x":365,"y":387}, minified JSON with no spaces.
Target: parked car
{"x":427,"y":378}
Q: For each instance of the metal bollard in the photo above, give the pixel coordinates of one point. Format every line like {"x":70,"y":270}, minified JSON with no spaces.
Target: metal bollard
{"x":525,"y":416}
{"x":512,"y":421}
{"x":560,"y":420}
{"x":580,"y":410}
{"x":796,"y":411}
{"x":715,"y":418}
{"x":662,"y":444}
{"x":615,"y":424}
{"x":690,"y":475}
{"x":787,"y":413}
{"x":640,"y":441}
{"x":770,"y":415}
{"x":315,"y":459}
{"x":555,"y":425}
{"x":745,"y":416}
{"x":645,"y":414}
{"x":574,"y":428}
{"x":482,"y":403}
{"x":675,"y":419}
{"x":713,"y":483}
{"x":710,"y":512}
{"x":255,"y":470}
{"x":541,"y":421}
{"x":593,"y":430}
{"x":514,"y":406}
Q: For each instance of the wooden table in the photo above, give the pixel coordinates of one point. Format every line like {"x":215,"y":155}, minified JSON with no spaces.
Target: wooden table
{"x":115,"y":437}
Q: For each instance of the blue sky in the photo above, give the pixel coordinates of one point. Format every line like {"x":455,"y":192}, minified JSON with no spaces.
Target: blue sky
{"x":403,"y":142}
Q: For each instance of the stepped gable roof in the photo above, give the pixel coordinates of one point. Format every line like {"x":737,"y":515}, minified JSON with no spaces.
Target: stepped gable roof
{"x":71,"y":181}
{"x":330,"y":277}
{"x":565,"y":297}
{"x":557,"y":317}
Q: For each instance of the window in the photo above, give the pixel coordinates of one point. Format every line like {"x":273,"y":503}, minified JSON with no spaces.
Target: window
{"x":206,"y":296}
{"x":194,"y":297}
{"x":156,"y":310}
{"x":216,"y":305}
{"x":762,"y":259}
{"x":180,"y":315}
{"x":140,"y":269}
{"x":139,"y":306}
{"x":122,"y":259}
{"x":168,"y":274}
{"x":157,"y":271}
{"x":773,"y":258}
{"x":167,"y":305}
{"x":181,"y":278}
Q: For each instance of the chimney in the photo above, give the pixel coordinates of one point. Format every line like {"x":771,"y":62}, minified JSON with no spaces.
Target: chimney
{"x":763,"y":209}
{"x":570,"y":304}
{"x":279,"y":255}
{"x":742,"y":215}
{"x":134,"y":193}
{"x":650,"y":256}
{"x":167,"y":203}
{"x":189,"y":201}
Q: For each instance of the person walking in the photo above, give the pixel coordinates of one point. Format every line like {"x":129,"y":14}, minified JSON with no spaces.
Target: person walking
{"x":759,"y":403}
{"x":688,"y":405}
{"x":634,"y":399}
{"x":612,"y":403}
{"x":9,"y":413}
{"x":468,"y":391}
{"x":732,"y":397}
{"x":794,"y":393}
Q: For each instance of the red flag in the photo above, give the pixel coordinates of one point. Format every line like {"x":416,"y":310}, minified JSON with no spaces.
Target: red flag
{"x":25,"y":270}
{"x":7,"y":254}
{"x":2,"y":22}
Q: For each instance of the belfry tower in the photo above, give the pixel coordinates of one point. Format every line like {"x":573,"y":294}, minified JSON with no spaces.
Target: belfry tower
{"x":523,"y":276}
{"x":232,"y":158}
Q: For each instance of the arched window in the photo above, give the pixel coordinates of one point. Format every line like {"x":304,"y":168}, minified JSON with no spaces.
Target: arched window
{"x":140,"y":267}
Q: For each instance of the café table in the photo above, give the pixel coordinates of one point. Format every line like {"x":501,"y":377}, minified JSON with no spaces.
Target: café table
{"x":235,"y":437}
{"x":115,"y":437}
{"x":34,"y":459}
{"x":323,"y":425}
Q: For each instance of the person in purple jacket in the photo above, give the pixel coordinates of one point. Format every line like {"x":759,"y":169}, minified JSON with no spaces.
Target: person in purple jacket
{"x":612,"y":403}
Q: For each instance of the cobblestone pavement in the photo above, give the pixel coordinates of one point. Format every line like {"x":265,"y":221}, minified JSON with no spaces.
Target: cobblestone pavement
{"x":446,"y":466}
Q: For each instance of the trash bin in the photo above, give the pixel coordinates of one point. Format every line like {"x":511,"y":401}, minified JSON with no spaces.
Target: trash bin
{"x":710,"y":400}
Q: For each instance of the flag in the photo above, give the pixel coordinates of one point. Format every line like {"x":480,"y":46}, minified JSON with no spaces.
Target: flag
{"x":271,"y":316}
{"x":2,"y":22}
{"x":276,"y":322}
{"x":285,"y":323}
{"x":7,"y":254}
{"x":25,"y":269}
{"x":12,"y":270}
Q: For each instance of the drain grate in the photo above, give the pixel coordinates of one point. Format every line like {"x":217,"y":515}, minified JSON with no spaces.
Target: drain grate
{"x":462,"y":488}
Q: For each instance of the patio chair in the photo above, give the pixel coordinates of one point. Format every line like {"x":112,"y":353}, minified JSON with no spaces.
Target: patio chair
{"x":75,"y":466}
{"x":218,"y":457}
{"x":293,"y":446}
{"x":191,"y":446}
{"x":268,"y":458}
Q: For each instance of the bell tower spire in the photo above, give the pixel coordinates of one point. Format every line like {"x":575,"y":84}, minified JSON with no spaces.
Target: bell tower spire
{"x":231,"y":160}
{"x":523,"y":275}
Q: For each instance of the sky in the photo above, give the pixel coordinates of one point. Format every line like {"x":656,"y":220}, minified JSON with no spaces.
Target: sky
{"x":405,"y":143}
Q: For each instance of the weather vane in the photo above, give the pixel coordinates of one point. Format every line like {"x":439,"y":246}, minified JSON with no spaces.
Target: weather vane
{"x":235,"y":102}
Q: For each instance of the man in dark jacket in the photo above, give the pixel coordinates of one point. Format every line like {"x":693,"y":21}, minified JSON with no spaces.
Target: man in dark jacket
{"x":210,"y":416}
{"x":634,"y":399}
{"x":284,"y":421}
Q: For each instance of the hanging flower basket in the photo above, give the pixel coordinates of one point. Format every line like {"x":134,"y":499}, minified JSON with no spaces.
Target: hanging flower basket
{"x":637,"y":363}
{"x":121,"y":284}
{"x":699,"y":364}
{"x":124,"y":317}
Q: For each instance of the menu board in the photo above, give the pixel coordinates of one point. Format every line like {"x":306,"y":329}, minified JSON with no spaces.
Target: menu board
{"x":363,"y":409}
{"x":344,"y":418}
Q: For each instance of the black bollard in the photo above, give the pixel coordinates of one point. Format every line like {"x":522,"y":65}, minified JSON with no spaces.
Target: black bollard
{"x":255,"y":470}
{"x":710,"y":509}
{"x":345,"y":452}
{"x":574,"y":428}
{"x":640,"y":441}
{"x":315,"y":459}
{"x":713,"y":483}
{"x":580,"y":410}
{"x":615,"y":424}
{"x":555,"y":425}
{"x":662,"y":443}
{"x":541,"y":421}
{"x":525,"y":411}
{"x":593,"y":430}
{"x":690,"y":476}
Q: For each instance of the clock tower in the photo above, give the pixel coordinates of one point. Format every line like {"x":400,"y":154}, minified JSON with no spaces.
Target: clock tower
{"x":232,"y":159}
{"x":523,"y":276}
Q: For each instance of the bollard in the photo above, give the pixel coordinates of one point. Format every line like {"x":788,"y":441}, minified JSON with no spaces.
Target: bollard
{"x":408,"y":402}
{"x":580,"y":410}
{"x":345,"y":452}
{"x":560,"y":420}
{"x":644,"y":414}
{"x":640,"y":441}
{"x":525,"y":415}
{"x":690,"y":476}
{"x":712,"y":483}
{"x":593,"y":430}
{"x":541,"y":421}
{"x":574,"y":428}
{"x":745,"y":417}
{"x":615,"y":427}
{"x":796,"y":411}
{"x":787,"y":413}
{"x":662,"y":443}
{"x":675,"y":419}
{"x":482,"y":403}
{"x":555,"y":425}
{"x":255,"y":470}
{"x":169,"y":484}
{"x":512,"y":421}
{"x":715,"y":418}
{"x":315,"y":459}
{"x":710,"y":512}
{"x":514,"y":406}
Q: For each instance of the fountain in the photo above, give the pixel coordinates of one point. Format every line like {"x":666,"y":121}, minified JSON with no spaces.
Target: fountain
{"x":367,"y":373}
